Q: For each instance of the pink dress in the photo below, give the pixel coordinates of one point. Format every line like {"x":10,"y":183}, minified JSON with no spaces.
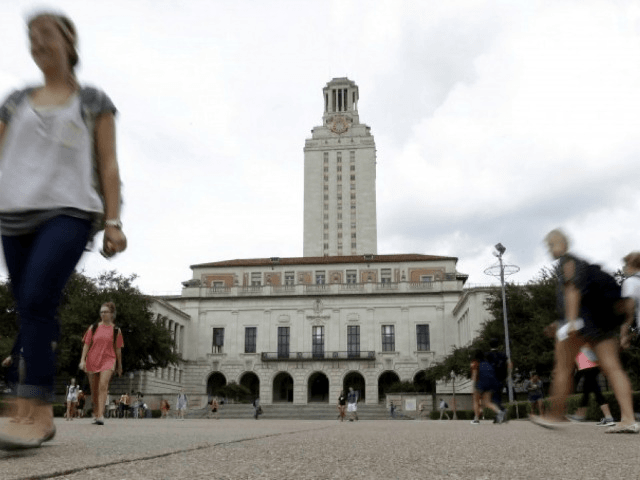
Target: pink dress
{"x":102,"y":356}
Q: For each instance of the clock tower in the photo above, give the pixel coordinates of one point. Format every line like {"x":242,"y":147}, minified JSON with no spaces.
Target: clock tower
{"x":340,"y":178}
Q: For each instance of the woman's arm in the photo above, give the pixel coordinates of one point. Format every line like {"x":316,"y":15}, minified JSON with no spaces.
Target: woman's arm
{"x":119,"y":361}
{"x":83,"y":358}
{"x":2,"y":130}
{"x":105,"y":137}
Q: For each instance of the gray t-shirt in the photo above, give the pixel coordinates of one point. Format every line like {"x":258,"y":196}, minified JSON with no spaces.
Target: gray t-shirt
{"x":47,"y":164}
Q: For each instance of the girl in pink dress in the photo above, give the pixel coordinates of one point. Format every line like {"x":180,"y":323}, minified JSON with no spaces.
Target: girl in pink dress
{"x":101,"y":356}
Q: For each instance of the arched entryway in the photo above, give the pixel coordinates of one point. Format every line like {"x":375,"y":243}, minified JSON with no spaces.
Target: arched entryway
{"x":424,"y":385}
{"x":252,"y":382}
{"x":283,"y":388}
{"x":215,"y":382}
{"x":385,"y":380}
{"x":318,"y":388}
{"x":354,"y":380}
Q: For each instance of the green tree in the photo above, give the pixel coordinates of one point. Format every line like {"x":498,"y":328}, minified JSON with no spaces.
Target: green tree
{"x":148,"y":344}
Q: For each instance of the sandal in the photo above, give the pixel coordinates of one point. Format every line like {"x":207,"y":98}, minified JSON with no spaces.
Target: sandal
{"x":632,"y":428}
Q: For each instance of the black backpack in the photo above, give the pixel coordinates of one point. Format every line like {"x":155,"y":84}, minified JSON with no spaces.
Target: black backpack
{"x":601,"y":301}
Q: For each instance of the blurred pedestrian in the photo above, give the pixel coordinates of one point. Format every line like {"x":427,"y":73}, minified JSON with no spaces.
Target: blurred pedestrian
{"x":502,"y":367}
{"x":631,"y":292}
{"x":81,"y":402}
{"x":589,"y":318}
{"x":53,"y":138}
{"x":101,"y":357}
{"x":485,"y":384}
{"x":125,"y":403}
{"x":215,"y":406}
{"x":443,"y":409}
{"x":257,"y":409}
{"x":164,"y":408}
{"x":352,"y":404}
{"x":181,"y":404}
{"x":587,"y":365}
{"x":342,"y":405}
{"x":535,"y":393}
{"x":392,"y":410}
{"x":72,"y":399}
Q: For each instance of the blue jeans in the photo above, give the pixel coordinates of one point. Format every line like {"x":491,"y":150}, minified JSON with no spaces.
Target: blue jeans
{"x":39,"y":265}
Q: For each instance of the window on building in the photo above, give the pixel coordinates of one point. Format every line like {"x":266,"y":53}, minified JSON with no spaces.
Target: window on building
{"x":326,"y":169}
{"x":353,"y":244}
{"x":422,"y":335}
{"x":326,"y":157}
{"x":339,"y":156}
{"x":339,"y":234}
{"x":352,"y":168}
{"x":326,"y":216}
{"x":339,"y":206}
{"x":353,"y":235}
{"x":218,"y":340}
{"x":353,"y":341}
{"x":326,"y":206}
{"x":353,"y":196}
{"x":250,"y":339}
{"x":289,"y":278}
{"x":339,"y":226}
{"x":385,"y":275}
{"x":339,"y":168}
{"x":353,"y":186}
{"x":256,"y":278}
{"x":283,"y":342}
{"x":353,"y":207}
{"x":339,"y":196}
{"x":325,"y":187}
{"x":353,"y":225}
{"x":426,"y":278}
{"x":353,"y":178}
{"x":339,"y":179}
{"x":320,"y":277}
{"x":326,"y":246}
{"x":352,"y":156}
{"x":326,"y":178}
{"x":318,"y":342}
{"x":326,"y":236}
{"x":339,"y":216}
{"x":388,"y":338}
{"x":326,"y":197}
{"x":352,"y":276}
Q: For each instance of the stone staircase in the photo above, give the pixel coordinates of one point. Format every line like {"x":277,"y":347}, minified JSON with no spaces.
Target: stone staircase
{"x":287,"y":411}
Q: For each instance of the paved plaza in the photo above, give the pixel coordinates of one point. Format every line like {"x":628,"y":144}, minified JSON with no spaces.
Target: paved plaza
{"x":273,"y":449}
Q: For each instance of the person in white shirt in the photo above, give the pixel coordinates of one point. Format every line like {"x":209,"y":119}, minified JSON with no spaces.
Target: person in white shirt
{"x":631,"y":291}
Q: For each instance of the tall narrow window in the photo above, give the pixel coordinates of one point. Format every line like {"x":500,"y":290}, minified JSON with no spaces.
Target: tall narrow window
{"x":388,"y":338}
{"x":353,"y":341}
{"x":352,"y":276}
{"x":318,"y":342}
{"x":256,"y":278}
{"x":422,"y":334}
{"x":218,"y":340}
{"x":289,"y":278}
{"x":283,"y":342}
{"x":250,"y":339}
{"x":385,"y":275}
{"x":320,"y":277}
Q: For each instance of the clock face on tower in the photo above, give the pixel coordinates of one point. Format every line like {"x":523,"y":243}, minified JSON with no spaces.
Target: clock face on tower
{"x":339,"y":124}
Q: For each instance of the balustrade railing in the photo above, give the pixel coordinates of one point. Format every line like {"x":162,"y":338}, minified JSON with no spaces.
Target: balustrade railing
{"x":315,"y":356}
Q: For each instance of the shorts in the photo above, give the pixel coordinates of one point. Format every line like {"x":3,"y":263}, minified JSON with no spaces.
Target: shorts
{"x":535,"y":397}
{"x":352,"y":407}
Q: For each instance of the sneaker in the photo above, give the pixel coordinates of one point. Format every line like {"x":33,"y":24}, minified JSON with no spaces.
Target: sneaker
{"x":633,"y":428}
{"x":500,"y":416}
{"x":98,"y":421}
{"x":577,"y":418}
{"x":606,"y":422}
{"x":546,"y":423}
{"x":475,"y":422}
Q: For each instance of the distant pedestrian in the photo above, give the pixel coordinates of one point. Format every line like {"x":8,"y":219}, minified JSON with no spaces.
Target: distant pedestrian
{"x":342,"y":405}
{"x":181,"y":404}
{"x":164,"y":408}
{"x":422,"y":409}
{"x":443,"y":409}
{"x":102,"y":357}
{"x":502,"y":367}
{"x":587,"y":365}
{"x":81,"y":402}
{"x":215,"y":406}
{"x":257,"y":409}
{"x":59,"y":184}
{"x":535,"y":393}
{"x":72,"y":399}
{"x":352,"y":404}
{"x":485,"y":384}
{"x":392,"y":410}
{"x":586,"y":301}
{"x":125,"y":404}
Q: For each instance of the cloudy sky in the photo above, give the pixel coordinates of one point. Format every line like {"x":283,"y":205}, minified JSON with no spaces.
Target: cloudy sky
{"x":494,"y":121}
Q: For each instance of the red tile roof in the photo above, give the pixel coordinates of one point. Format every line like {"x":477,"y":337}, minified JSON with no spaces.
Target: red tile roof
{"x":255,"y":262}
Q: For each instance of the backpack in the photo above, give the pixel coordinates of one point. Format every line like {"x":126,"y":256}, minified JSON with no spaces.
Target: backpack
{"x":498,"y":361}
{"x":601,"y":302}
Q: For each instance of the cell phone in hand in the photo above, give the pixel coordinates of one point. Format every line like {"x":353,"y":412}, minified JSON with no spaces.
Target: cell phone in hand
{"x":563,"y":332}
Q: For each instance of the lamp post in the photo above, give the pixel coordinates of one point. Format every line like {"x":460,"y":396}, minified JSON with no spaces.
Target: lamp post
{"x":501,"y":271}
{"x":453,"y":402}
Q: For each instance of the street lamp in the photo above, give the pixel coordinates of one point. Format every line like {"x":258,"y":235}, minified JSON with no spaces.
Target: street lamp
{"x":502,"y":270}
{"x":453,"y":402}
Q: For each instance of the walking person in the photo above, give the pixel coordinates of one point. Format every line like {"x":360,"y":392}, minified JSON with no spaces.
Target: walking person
{"x":257,"y":409}
{"x":392,"y":410}
{"x":342,"y":405}
{"x":631,"y":292}
{"x":352,"y":404}
{"x":485,"y":384}
{"x":72,"y":399}
{"x":125,"y":401}
{"x":587,"y":364}
{"x":101,"y":357}
{"x":81,"y":401}
{"x":181,"y":404}
{"x":586,"y":320}
{"x":215,"y":406}
{"x":52,"y":139}
{"x":443,"y":409}
{"x":164,"y":408}
{"x":502,"y":367}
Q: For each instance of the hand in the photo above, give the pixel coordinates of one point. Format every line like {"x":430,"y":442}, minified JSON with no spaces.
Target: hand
{"x":83,"y":365}
{"x":7,"y":361}
{"x":114,"y":241}
{"x":119,"y":370}
{"x":550,"y":330}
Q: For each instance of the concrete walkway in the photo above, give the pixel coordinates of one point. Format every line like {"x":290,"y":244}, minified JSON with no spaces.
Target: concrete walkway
{"x":297,"y":449}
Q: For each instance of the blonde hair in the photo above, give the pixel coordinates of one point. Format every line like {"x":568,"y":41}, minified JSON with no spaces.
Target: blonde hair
{"x":112,"y":308}
{"x":68,"y":30}
{"x":557,"y":233}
